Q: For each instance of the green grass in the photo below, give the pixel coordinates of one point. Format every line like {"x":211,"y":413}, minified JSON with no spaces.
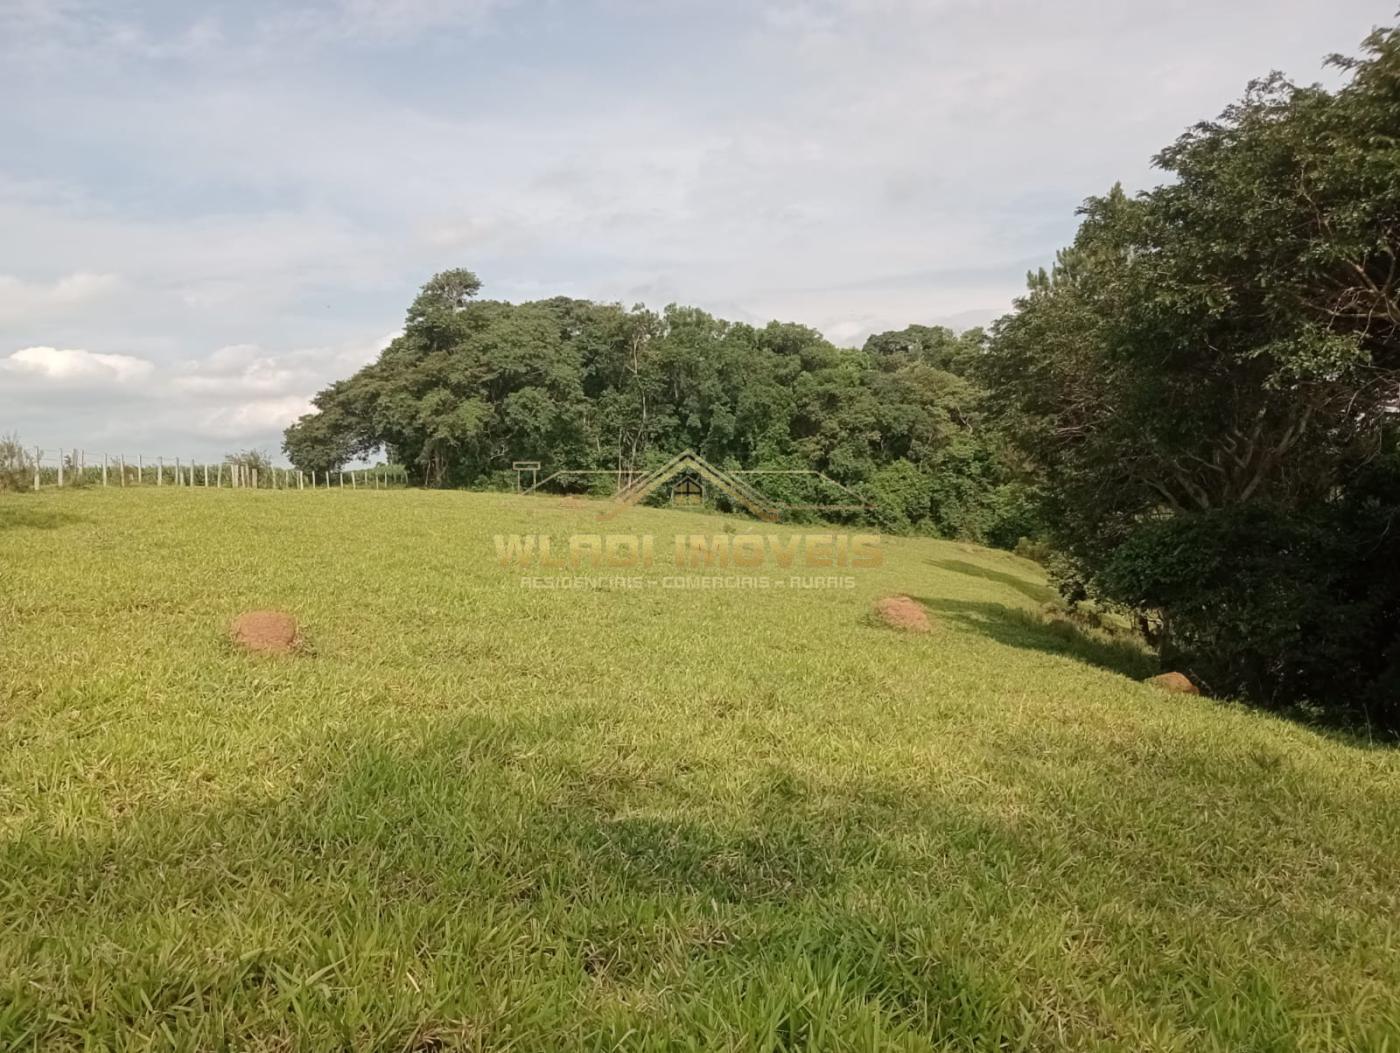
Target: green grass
{"x":473,"y":816}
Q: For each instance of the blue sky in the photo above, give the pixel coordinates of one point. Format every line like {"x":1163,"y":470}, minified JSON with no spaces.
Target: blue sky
{"x":209,"y":210}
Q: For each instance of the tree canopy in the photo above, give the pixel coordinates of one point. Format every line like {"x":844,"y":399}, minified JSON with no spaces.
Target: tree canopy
{"x":473,"y":385}
{"x":1207,"y":382}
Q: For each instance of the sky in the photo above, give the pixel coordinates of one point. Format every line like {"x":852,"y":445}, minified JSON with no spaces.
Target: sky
{"x":210,"y":210}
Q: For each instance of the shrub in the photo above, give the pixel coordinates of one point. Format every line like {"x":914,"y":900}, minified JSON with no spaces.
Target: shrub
{"x":1034,"y":550}
{"x":258,"y":460}
{"x":16,"y":466}
{"x":1283,"y":607}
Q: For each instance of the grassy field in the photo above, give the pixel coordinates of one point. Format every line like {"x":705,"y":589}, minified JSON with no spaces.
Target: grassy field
{"x":469,"y":815}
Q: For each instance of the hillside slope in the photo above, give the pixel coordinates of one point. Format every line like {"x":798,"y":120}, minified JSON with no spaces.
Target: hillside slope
{"x":474,"y":815}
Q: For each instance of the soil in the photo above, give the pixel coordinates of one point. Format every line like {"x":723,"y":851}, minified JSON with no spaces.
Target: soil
{"x":1178,"y":682}
{"x":266,"y":632}
{"x":900,"y":612}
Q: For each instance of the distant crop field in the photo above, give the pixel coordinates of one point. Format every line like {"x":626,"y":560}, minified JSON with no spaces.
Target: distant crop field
{"x":466,"y":814}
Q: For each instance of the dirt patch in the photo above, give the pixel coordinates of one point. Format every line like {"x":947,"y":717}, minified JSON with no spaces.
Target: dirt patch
{"x":900,"y":612}
{"x":266,"y":632}
{"x":1177,"y":682}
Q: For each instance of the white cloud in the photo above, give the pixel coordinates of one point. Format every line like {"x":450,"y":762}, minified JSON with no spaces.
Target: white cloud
{"x":24,"y":300}
{"x":243,"y":394}
{"x":257,"y":419}
{"x":375,"y":18}
{"x":75,"y":366}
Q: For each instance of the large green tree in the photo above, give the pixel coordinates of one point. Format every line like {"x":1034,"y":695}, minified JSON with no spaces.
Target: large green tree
{"x":1208,"y":381}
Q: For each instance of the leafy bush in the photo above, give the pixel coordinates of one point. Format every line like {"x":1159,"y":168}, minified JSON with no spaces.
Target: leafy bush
{"x":258,"y":460}
{"x":1034,"y":550}
{"x":1279,"y":606}
{"x":16,"y":466}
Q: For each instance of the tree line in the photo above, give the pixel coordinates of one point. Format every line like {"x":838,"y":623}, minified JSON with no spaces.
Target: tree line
{"x":1196,"y":407}
{"x":473,"y":385}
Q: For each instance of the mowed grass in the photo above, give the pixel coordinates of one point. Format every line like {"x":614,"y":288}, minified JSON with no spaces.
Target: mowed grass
{"x":472,"y":816}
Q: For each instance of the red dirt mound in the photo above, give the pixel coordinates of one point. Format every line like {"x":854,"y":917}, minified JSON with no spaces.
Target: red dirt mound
{"x":1174,"y":682}
{"x":267,"y":632}
{"x":900,"y":612}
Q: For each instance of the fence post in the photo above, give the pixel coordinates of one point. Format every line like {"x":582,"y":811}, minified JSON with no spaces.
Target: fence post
{"x":121,"y":459}
{"x":38,"y":459}
{"x":140,"y":468}
{"x":82,"y":466}
{"x":60,"y":466}
{"x":104,"y":469}
{"x":254,"y":473}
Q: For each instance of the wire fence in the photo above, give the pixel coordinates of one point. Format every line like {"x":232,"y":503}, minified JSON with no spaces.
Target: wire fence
{"x":73,"y":468}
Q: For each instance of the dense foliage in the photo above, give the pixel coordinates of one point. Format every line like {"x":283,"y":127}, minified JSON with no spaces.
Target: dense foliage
{"x":1207,"y":383}
{"x":473,"y":385}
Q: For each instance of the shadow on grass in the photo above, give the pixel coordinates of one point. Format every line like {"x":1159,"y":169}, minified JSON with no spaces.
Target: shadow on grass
{"x":1029,"y":589}
{"x":1030,"y":631}
{"x":14,"y":515}
{"x":406,"y":878}
{"x":386,"y":853}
